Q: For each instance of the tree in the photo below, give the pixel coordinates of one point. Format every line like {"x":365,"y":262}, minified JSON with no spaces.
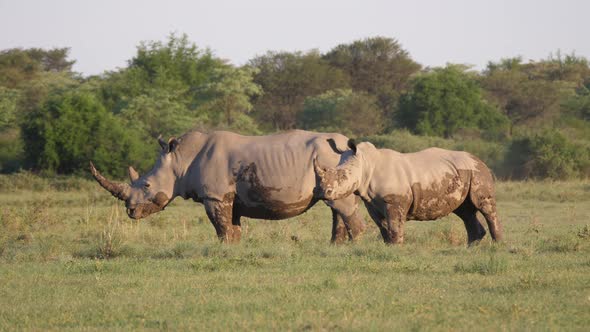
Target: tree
{"x":524,"y":92}
{"x":342,"y":111}
{"x":231,"y":90}
{"x":176,"y":60}
{"x":177,"y":66}
{"x":445,"y":100}
{"x":8,"y":107}
{"x":287,"y":79}
{"x":579,"y":104}
{"x":569,"y":68}
{"x":18,"y":66}
{"x":173,"y":86}
{"x":10,"y":143}
{"x":378,"y":66}
{"x":157,"y":112}
{"x":71,"y":128}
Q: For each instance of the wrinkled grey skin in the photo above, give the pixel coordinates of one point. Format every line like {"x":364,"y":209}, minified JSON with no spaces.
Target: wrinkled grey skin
{"x":266,"y":177}
{"x":425,"y":185}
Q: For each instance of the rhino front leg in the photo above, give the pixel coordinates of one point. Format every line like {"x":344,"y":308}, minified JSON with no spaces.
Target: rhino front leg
{"x":220,"y":214}
{"x":379,"y":220}
{"x":394,"y":226}
{"x":347,"y":222}
{"x":339,"y":231}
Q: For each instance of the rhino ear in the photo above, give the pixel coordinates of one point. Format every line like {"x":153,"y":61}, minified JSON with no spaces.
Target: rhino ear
{"x":335,"y":148}
{"x":133,"y":175}
{"x":172,"y":144}
{"x":352,"y":145}
{"x":163,"y":143}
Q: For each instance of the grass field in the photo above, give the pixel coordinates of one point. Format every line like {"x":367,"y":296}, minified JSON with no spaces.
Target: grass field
{"x":71,"y":259}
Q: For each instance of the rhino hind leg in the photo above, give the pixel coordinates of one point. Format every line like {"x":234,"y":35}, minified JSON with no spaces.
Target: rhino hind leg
{"x":483,"y":197}
{"x":468,"y":213}
{"x":488,"y":209}
{"x":236,"y":228}
{"x":220,"y":214}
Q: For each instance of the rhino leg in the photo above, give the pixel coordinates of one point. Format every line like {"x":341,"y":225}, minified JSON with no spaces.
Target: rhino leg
{"x":394,"y":226}
{"x":468,"y":213}
{"x":483,"y":196}
{"x":391,"y":225}
{"x":236,"y":227}
{"x":339,"y":231}
{"x":379,"y":220}
{"x":488,"y":209}
{"x":347,"y":222}
{"x":221,"y":216}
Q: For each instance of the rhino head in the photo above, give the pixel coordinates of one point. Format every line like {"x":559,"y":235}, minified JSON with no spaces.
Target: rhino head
{"x":341,"y":181}
{"x":149,"y":193}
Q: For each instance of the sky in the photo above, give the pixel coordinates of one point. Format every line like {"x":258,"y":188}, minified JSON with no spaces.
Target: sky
{"x":103,"y":35}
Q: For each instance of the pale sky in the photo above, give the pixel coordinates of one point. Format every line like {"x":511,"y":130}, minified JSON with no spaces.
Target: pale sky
{"x":104,"y":34}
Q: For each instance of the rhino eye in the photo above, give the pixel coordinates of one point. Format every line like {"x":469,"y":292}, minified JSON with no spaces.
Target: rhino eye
{"x":147,"y":185}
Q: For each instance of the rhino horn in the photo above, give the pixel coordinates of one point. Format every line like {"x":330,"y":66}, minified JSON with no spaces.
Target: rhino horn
{"x":133,"y":175}
{"x":320,"y":171}
{"x":119,"y":190}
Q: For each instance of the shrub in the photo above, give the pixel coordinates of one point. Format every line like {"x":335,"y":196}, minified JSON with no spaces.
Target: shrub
{"x":72,"y":128}
{"x":547,"y":154}
{"x":11,"y":150}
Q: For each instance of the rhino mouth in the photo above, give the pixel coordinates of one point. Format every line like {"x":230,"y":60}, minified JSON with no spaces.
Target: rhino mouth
{"x":142,"y":210}
{"x":324,"y":194}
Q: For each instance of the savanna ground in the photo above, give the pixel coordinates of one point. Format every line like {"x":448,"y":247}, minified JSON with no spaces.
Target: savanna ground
{"x":70,"y":258}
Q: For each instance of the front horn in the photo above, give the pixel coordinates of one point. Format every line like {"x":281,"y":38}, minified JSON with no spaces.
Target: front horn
{"x":119,"y":190}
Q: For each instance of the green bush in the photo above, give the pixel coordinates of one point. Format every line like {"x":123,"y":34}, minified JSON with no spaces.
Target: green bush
{"x":11,"y":150}
{"x":70,"y":129}
{"x":547,"y":154}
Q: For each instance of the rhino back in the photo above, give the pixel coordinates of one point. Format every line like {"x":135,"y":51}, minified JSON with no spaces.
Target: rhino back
{"x":266,"y":172}
{"x":426,"y":166}
{"x":434,"y":180}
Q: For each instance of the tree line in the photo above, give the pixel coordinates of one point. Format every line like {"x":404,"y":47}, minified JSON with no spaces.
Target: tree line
{"x":527,"y":119}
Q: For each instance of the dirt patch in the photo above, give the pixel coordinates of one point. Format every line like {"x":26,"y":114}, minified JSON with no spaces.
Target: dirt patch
{"x":260,"y":202}
{"x":143,"y":210}
{"x":438,"y":199}
{"x":221,"y":215}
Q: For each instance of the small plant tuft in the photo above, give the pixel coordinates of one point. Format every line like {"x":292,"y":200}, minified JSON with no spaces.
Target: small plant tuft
{"x":491,"y":266}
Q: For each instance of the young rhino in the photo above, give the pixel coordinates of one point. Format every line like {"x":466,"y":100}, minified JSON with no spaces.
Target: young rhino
{"x":424,"y":185}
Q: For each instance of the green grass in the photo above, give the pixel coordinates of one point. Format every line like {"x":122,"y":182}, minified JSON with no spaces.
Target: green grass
{"x":71,"y":259}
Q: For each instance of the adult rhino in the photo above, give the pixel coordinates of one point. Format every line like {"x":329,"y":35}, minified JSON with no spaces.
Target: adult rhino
{"x":268,"y":177}
{"x":425,"y":185}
